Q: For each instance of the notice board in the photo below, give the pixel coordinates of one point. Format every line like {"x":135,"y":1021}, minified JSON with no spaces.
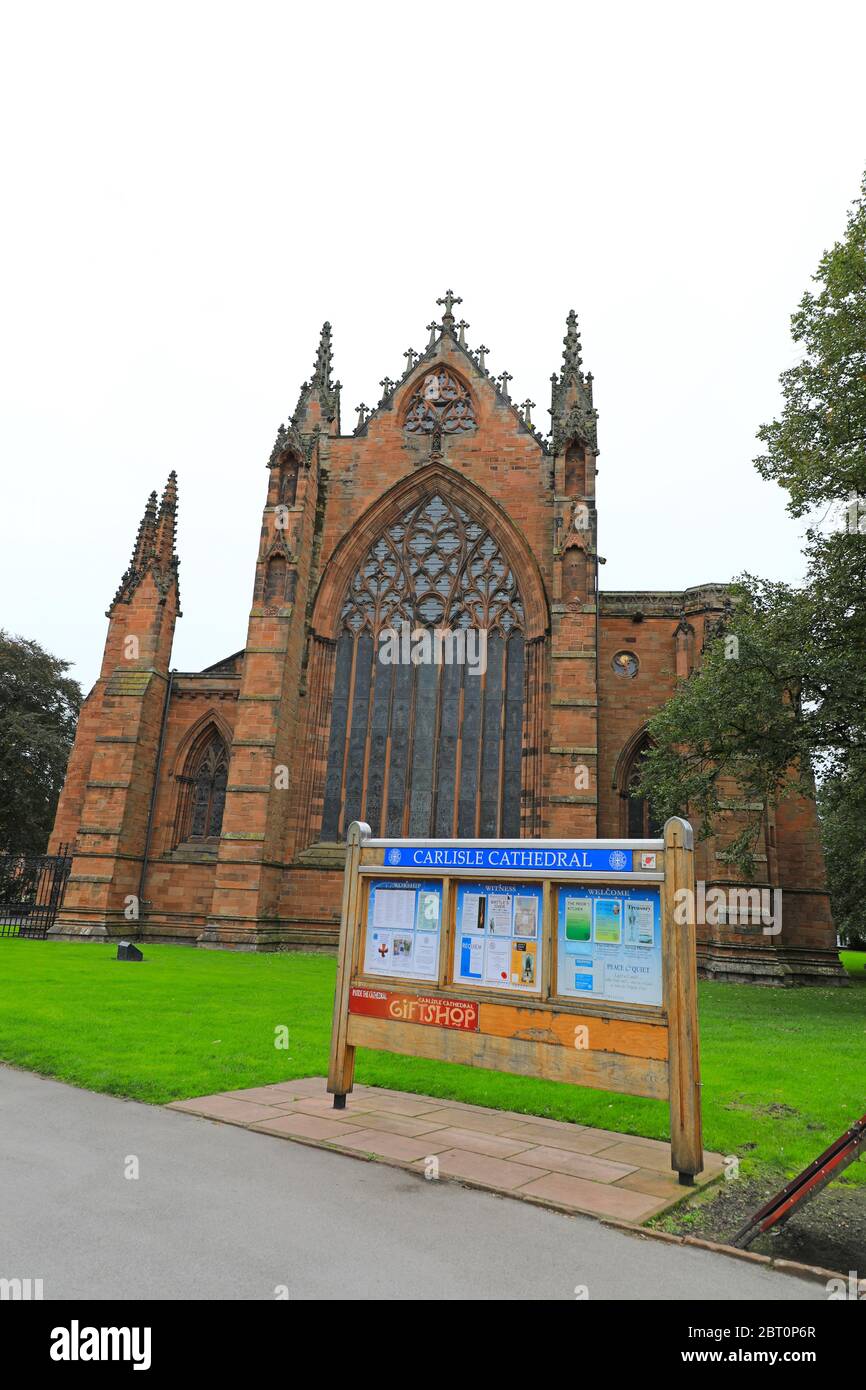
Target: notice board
{"x":555,"y":959}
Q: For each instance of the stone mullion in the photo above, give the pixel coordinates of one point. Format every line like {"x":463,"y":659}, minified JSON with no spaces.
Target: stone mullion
{"x":312,"y":783}
{"x":533,"y":740}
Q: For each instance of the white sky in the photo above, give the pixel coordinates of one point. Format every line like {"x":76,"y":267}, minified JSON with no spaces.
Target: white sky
{"x":189,"y":190}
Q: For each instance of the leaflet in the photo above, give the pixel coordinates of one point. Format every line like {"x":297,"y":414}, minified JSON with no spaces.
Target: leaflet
{"x":639,"y":928}
{"x":394,"y":908}
{"x":499,"y":914}
{"x":526,"y":917}
{"x":473,"y":912}
{"x":497,"y":965}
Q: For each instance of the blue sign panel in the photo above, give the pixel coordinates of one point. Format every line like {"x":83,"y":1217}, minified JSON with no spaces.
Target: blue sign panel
{"x":551,"y":859}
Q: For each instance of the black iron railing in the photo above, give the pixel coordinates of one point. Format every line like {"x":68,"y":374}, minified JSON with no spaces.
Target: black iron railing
{"x":31,"y":891}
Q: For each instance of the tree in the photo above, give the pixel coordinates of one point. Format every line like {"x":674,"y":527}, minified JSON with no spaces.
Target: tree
{"x":780,"y":696}
{"x":842,"y":805}
{"x":817,"y":449}
{"x":39,"y":707}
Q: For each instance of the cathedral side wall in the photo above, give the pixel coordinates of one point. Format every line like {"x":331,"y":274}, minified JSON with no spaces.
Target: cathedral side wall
{"x":807,"y":923}
{"x":69,"y":807}
{"x":179,"y":883}
{"x":626,"y":703}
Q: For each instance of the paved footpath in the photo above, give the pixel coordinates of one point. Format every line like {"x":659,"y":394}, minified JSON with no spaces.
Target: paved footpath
{"x":220,"y":1212}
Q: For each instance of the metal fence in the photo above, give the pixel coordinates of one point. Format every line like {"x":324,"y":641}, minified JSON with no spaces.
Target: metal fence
{"x":31,"y":891}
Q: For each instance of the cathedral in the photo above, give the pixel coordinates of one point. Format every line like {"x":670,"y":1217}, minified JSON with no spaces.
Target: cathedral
{"x":211,"y":807}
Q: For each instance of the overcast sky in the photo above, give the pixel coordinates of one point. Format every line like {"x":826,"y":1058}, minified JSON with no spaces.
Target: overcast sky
{"x":189,"y":190}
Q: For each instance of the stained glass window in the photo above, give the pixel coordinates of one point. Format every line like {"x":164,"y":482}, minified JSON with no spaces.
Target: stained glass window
{"x":430,"y":743}
{"x":202,"y":801}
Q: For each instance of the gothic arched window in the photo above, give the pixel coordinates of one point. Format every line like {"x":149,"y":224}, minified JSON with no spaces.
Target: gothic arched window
{"x":203,"y":791}
{"x":427,"y":711}
{"x":440,"y":402}
{"x":640,"y":821}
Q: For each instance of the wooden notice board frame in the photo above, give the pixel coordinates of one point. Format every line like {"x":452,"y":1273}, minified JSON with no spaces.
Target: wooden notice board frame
{"x":630,"y":1047}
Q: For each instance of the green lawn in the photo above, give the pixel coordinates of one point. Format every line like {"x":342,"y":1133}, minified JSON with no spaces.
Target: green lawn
{"x":855,"y":963}
{"x":783,"y":1070}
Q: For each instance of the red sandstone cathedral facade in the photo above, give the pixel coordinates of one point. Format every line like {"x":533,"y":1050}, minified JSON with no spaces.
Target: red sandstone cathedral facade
{"x":211,"y":806}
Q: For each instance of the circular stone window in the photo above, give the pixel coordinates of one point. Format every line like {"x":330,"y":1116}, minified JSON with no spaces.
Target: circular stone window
{"x":625,"y":664}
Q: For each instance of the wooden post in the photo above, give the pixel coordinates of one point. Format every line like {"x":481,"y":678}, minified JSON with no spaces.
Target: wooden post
{"x":341,"y":1068}
{"x":547,"y":940}
{"x":680,"y":973}
{"x":444,"y":933}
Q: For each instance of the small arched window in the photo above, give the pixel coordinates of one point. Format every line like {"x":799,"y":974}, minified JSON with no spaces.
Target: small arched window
{"x":275,"y":579}
{"x":203,"y":791}
{"x":289,"y":482}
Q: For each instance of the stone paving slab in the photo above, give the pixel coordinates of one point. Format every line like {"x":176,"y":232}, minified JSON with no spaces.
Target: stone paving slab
{"x":576,"y":1167}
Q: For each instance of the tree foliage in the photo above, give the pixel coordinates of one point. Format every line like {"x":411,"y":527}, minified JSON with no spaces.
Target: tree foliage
{"x":817,"y":448}
{"x":39,"y":707}
{"x":785,"y":701}
{"x":842,"y":804}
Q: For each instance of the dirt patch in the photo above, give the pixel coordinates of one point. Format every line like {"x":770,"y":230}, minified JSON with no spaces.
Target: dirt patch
{"x":829,"y":1231}
{"x":776,"y":1110}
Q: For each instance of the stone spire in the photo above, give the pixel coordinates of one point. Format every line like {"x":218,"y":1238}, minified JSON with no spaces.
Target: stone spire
{"x":571,"y":358}
{"x":319,"y":401}
{"x":154,"y":548}
{"x":145,"y":540}
{"x":166,"y":526}
{"x":324,"y":356}
{"x":572,"y":412}
{"x":142,"y":554}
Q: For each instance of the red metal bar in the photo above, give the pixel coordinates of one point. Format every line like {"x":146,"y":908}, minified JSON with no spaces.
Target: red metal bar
{"x":828,"y":1165}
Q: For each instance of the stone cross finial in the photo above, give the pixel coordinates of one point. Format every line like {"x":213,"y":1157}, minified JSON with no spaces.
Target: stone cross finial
{"x":526,"y":407}
{"x":434,"y":329}
{"x":482,"y":353}
{"x":411,"y":358}
{"x":503,"y":381}
{"x":362,"y":414}
{"x":461,"y":335}
{"x":449,"y":301}
{"x":387,"y":386}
